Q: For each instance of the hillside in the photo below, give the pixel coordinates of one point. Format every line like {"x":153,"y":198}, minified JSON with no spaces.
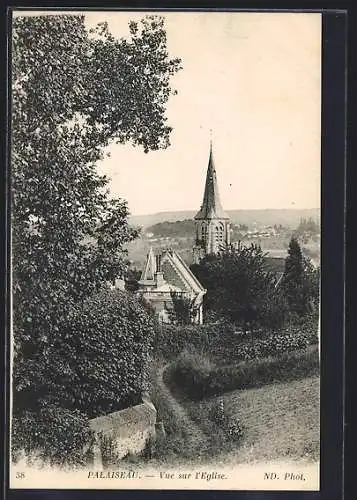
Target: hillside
{"x":286,"y":217}
{"x":288,"y":411}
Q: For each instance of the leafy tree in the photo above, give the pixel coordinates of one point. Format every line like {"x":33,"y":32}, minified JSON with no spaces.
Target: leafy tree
{"x":300,"y":282}
{"x":131,"y":279}
{"x":73,"y":93}
{"x":239,"y":284}
{"x":182,"y":311}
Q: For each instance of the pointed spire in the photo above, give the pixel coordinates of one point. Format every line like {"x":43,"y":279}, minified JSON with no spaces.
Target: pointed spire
{"x":211,"y":207}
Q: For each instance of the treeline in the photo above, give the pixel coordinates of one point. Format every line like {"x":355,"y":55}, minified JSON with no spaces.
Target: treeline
{"x":180,"y":228}
{"x":186,"y":228}
{"x":309,"y":226}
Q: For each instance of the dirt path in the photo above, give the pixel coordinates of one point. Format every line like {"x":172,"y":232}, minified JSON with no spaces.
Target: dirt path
{"x":197,"y":441}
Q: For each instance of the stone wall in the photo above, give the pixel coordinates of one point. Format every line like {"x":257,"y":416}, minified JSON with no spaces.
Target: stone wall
{"x":123,"y":432}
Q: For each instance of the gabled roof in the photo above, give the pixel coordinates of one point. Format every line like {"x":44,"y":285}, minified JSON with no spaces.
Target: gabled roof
{"x":177,"y":275}
{"x":183,"y":270}
{"x":211,"y":207}
{"x":150,"y":267}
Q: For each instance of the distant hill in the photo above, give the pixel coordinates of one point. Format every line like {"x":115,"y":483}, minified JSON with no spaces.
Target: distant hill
{"x":268,"y":217}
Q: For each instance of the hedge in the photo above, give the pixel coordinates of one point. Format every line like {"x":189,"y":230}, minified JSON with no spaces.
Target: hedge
{"x":222,"y":341}
{"x":194,"y":376}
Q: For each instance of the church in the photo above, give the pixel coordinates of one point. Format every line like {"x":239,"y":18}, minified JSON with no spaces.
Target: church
{"x":165,"y":273}
{"x":212,"y":223}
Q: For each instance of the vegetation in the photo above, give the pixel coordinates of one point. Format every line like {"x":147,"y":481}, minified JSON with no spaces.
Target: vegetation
{"x":186,"y":228}
{"x":81,"y":349}
{"x":239,"y":286}
{"x":199,"y":378}
{"x":183,"y":309}
{"x":52,"y":435}
{"x":300,"y":282}
{"x":73,"y":93}
{"x":279,"y":422}
{"x":307,"y":228}
{"x":224,"y":343}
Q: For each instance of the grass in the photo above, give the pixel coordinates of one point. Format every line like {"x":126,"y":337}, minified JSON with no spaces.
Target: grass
{"x":280,"y":421}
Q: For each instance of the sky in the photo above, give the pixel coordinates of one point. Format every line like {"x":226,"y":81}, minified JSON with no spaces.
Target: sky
{"x":255,"y":80}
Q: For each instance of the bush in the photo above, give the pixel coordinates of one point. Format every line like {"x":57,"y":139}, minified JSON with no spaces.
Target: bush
{"x":231,"y":425}
{"x":99,"y":364}
{"x":222,"y":340}
{"x":193,"y":367}
{"x":199,"y":381}
{"x":171,"y":340}
{"x":53,"y":435}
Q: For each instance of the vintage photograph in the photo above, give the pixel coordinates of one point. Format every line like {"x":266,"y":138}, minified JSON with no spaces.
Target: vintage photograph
{"x":165,"y":250}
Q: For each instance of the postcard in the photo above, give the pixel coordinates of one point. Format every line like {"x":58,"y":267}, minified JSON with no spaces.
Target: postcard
{"x":165,"y":250}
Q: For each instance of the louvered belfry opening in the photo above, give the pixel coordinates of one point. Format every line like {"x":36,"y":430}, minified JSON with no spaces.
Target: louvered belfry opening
{"x":212,"y":223}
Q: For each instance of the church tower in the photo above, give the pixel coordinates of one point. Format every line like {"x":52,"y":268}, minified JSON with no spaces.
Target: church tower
{"x":212,"y":223}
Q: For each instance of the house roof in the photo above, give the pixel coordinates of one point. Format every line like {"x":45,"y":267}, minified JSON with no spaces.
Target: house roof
{"x":211,"y":207}
{"x":176,"y":274}
{"x":149,"y":268}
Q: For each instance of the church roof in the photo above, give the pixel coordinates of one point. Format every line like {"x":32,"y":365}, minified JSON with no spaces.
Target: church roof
{"x":211,"y":207}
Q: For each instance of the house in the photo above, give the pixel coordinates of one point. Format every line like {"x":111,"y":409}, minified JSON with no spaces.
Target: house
{"x":165,"y":272}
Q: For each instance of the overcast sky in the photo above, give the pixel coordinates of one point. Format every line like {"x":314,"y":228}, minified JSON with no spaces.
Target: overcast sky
{"x":255,"y":79}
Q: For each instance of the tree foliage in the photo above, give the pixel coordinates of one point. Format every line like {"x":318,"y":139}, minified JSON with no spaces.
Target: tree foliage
{"x":300,"y":282}
{"x":183,"y":309}
{"x":73,"y":93}
{"x":99,"y":360}
{"x":239,"y":285}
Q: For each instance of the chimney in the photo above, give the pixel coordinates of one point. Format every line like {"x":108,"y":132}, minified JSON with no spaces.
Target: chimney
{"x":159,"y":278}
{"x":159,"y":275}
{"x":158,"y":263}
{"x":119,"y":284}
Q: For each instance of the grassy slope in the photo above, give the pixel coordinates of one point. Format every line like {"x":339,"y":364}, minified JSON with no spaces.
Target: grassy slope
{"x":281,"y":421}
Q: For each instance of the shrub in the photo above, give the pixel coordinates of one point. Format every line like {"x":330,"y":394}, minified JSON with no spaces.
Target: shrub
{"x":217,"y":413}
{"x":193,"y":370}
{"x":54,"y":435}
{"x":222,"y":340}
{"x":234,"y":428}
{"x":99,"y":364}
{"x":231,"y":426}
{"x":108,"y":450}
{"x":171,"y":340}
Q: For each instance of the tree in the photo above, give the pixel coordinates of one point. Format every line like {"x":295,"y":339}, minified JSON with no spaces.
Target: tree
{"x":131,"y":279}
{"x":300,"y":282}
{"x":73,"y":93}
{"x":182,"y":311}
{"x":239,"y":285}
{"x":99,"y":362}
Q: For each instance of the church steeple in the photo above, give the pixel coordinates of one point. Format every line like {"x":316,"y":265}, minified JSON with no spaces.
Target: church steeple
{"x":212,"y":223}
{"x":211,"y":207}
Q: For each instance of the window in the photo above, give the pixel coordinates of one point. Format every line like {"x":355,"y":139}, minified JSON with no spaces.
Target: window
{"x":203,"y":232}
{"x":219,"y":233}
